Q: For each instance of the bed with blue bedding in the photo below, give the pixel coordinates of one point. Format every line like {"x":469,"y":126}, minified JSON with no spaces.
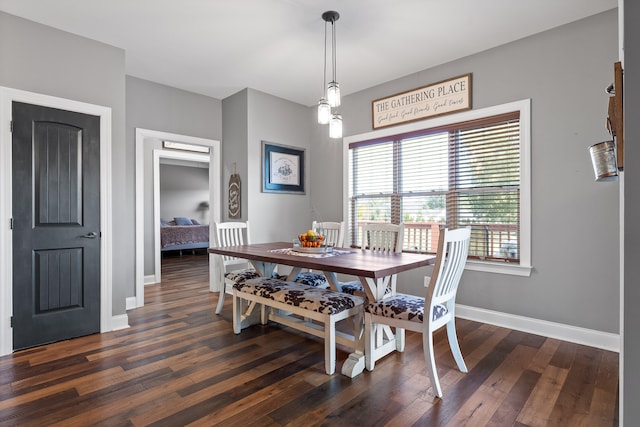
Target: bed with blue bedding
{"x":183,"y":233}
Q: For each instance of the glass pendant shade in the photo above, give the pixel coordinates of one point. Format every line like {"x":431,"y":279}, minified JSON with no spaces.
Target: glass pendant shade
{"x":335,"y":126}
{"x":324,"y":111}
{"x":333,"y":94}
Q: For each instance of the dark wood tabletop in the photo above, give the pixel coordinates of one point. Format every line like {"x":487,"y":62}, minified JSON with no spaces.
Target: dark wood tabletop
{"x":357,"y":262}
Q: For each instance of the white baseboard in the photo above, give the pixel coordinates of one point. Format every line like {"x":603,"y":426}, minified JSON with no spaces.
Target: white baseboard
{"x":120,"y":321}
{"x":130,"y":303}
{"x":150,"y":279}
{"x":590,"y":337}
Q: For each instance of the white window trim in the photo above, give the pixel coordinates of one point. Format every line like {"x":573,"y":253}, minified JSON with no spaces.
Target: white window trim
{"x":524,"y":107}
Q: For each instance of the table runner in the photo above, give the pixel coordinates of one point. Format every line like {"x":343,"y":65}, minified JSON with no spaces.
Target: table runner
{"x":290,"y":251}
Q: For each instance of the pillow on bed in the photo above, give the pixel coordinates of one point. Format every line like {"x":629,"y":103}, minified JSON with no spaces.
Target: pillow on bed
{"x":183,"y":220}
{"x":194,"y":222}
{"x":163,"y":222}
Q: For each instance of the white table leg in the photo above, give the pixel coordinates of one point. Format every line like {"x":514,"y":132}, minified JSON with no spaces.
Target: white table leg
{"x":332,"y":279}
{"x":293,"y":274}
{"x":264,"y":269}
{"x":354,"y":365}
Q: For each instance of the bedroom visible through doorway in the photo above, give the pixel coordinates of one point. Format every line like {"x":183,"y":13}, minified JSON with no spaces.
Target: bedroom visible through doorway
{"x":184,"y":207}
{"x":149,"y":152}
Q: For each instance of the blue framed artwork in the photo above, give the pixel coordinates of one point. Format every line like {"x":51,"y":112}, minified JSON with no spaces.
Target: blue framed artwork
{"x":282,"y":169}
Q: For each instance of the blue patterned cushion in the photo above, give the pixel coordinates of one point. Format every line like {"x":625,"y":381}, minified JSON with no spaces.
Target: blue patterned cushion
{"x":306,"y":297}
{"x":311,"y":278}
{"x":406,"y":307}
{"x":239,"y":276}
{"x":351,"y":287}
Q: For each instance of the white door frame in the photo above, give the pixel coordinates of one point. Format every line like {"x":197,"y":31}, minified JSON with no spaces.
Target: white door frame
{"x":215,"y":164}
{"x":7,"y":97}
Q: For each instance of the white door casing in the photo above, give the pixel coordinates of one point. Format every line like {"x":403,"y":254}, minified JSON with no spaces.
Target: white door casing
{"x":215,"y":165}
{"x":7,"y":97}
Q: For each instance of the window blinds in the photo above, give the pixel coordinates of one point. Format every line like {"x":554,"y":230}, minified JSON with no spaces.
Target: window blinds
{"x":465,"y":174}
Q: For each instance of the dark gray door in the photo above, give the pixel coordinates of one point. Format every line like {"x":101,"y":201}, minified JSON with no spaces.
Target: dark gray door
{"x":56,"y":225}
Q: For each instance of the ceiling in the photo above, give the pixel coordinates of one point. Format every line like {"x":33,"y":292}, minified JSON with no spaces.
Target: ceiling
{"x":217,"y":48}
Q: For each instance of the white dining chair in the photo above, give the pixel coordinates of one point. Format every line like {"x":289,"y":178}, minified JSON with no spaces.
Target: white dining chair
{"x":232,"y":234}
{"x":333,"y":233}
{"x":378,"y":237}
{"x":425,"y":315}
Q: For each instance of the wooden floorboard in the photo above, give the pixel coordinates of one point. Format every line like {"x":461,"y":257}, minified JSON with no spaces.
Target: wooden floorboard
{"x":181,"y":365}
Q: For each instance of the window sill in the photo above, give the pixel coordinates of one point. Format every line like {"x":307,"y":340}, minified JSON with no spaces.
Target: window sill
{"x":499,"y":268}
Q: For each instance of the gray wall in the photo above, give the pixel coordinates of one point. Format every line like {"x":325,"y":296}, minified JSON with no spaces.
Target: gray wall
{"x":234,"y":150}
{"x":166,"y":109}
{"x":163,"y":108}
{"x":631,"y":338}
{"x":44,"y":60}
{"x":326,"y":170}
{"x":276,"y":216}
{"x":182,"y":189}
{"x":250,"y":117}
{"x":575,"y":248}
{"x":150,"y":144}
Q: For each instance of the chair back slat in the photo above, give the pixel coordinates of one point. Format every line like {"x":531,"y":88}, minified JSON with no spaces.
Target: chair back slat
{"x":453,"y":248}
{"x":383,"y":237}
{"x":333,"y":232}
{"x":232,"y":234}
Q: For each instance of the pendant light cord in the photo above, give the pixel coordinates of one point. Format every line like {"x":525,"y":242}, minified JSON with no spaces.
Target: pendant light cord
{"x":333,"y":48}
{"x":324,"y":69}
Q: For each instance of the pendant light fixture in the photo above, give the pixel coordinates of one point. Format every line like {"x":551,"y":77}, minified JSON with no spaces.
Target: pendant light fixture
{"x":331,"y":92}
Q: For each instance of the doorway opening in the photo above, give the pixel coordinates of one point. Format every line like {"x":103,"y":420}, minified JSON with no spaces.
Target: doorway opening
{"x":180,"y":193}
{"x":149,"y":151}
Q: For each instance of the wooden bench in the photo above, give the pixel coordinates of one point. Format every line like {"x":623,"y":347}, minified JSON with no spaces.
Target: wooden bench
{"x":280,"y":300}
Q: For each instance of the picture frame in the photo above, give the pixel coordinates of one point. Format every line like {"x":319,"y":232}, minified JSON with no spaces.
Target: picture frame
{"x":283,"y":168}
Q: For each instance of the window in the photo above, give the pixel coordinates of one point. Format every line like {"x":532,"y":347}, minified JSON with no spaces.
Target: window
{"x":432,"y":174}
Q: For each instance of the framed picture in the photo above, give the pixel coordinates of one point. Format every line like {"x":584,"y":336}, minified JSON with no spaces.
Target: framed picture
{"x":282,"y":169}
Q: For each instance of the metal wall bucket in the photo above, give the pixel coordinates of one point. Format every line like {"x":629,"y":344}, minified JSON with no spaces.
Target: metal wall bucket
{"x":603,"y":157}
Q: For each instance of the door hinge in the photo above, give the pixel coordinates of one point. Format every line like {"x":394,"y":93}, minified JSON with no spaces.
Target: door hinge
{"x":11,"y":126}
{"x":12,"y":322}
{"x":11,"y":223}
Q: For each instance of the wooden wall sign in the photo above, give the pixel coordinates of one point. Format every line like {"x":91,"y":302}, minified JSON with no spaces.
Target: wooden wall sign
{"x":234,"y":210}
{"x":445,"y":97}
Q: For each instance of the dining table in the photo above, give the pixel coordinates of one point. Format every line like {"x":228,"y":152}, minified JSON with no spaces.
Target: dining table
{"x":375,"y":270}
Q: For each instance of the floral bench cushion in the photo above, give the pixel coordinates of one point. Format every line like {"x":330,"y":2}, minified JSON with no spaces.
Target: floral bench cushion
{"x":406,"y":307}
{"x":311,"y":298}
{"x":239,"y":276}
{"x":312,"y":278}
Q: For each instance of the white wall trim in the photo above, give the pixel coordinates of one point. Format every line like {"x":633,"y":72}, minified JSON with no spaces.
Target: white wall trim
{"x":215,"y":174}
{"x":7,"y":96}
{"x":119,"y":322}
{"x":130,"y":303}
{"x":590,"y":337}
{"x":150,"y":279}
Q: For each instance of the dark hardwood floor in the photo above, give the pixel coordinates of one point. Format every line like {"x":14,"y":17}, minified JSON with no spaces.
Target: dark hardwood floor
{"x":179,"y":364}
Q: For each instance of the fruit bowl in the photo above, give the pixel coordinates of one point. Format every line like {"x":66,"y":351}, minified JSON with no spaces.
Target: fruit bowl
{"x":311,"y":239}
